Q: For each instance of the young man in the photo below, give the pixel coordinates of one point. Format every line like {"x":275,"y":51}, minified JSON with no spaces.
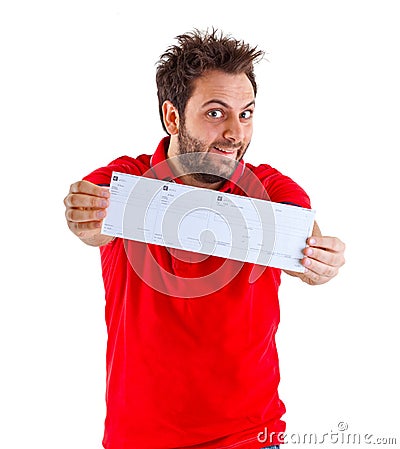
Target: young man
{"x":191,"y":355}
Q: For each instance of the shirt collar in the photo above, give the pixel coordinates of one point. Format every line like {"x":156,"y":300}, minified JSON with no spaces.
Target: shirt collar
{"x":161,"y":169}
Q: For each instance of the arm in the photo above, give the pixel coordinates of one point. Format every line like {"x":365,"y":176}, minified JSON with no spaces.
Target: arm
{"x":86,"y":205}
{"x":322,"y":258}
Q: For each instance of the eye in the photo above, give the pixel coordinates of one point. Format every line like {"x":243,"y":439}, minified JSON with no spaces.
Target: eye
{"x":215,"y":113}
{"x":246,"y":114}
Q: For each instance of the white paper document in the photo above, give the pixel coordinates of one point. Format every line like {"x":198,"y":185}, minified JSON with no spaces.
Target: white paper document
{"x":207,"y":221}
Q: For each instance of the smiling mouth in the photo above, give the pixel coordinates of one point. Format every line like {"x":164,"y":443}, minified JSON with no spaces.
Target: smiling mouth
{"x":225,"y":151}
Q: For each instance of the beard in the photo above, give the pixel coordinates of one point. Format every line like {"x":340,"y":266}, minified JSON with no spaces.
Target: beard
{"x":196,"y":161}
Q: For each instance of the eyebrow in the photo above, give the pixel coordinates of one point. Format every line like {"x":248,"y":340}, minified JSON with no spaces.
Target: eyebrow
{"x":226,"y":105}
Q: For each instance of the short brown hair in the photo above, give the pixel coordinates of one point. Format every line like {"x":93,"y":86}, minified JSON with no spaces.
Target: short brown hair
{"x":196,"y":53}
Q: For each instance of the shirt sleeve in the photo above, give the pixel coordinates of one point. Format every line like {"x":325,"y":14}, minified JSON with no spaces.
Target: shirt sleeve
{"x":282,"y":189}
{"x":124,"y":164}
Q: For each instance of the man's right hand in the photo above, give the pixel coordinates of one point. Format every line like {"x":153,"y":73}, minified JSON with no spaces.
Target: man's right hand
{"x":86,"y":205}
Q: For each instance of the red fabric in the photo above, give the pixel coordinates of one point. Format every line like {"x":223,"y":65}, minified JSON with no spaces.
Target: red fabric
{"x":191,"y":368}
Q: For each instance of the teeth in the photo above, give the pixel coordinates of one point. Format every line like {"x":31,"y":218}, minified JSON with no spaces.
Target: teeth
{"x":224,"y":151}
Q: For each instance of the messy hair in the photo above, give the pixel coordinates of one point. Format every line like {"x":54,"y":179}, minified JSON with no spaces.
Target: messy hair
{"x":196,"y":53}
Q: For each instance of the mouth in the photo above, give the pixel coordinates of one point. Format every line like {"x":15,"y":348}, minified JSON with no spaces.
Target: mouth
{"x":231,"y":153}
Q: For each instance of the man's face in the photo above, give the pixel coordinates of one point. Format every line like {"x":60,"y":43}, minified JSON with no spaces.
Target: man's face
{"x":217,"y":126}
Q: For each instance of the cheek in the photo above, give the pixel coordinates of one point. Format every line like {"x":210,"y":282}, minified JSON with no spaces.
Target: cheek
{"x":207,"y":132}
{"x":249,"y":132}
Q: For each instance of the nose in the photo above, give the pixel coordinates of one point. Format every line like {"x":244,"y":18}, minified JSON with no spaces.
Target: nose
{"x":234,"y":130}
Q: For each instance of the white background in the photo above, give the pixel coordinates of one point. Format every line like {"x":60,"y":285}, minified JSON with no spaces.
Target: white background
{"x":77,"y":90}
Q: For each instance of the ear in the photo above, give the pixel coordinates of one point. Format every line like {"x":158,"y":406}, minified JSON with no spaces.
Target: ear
{"x":170,"y":117}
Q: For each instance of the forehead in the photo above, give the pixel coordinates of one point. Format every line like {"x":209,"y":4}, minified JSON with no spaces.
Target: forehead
{"x":235,"y":89}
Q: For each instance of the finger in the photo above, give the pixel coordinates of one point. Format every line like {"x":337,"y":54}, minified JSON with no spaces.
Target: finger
{"x":83,"y":229}
{"x":313,"y":278}
{"x":89,"y":188}
{"x":84,"y":215}
{"x":319,"y":268}
{"x":325,"y":256}
{"x":328,"y":243}
{"x":85,"y":200}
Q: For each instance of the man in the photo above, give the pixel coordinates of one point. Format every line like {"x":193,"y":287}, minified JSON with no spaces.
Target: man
{"x":191,"y":354}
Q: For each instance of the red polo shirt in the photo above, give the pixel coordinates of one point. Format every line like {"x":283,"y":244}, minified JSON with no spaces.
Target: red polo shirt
{"x":191,"y":354}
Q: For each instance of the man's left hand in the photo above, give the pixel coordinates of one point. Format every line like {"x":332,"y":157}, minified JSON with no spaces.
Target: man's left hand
{"x":322,"y":258}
